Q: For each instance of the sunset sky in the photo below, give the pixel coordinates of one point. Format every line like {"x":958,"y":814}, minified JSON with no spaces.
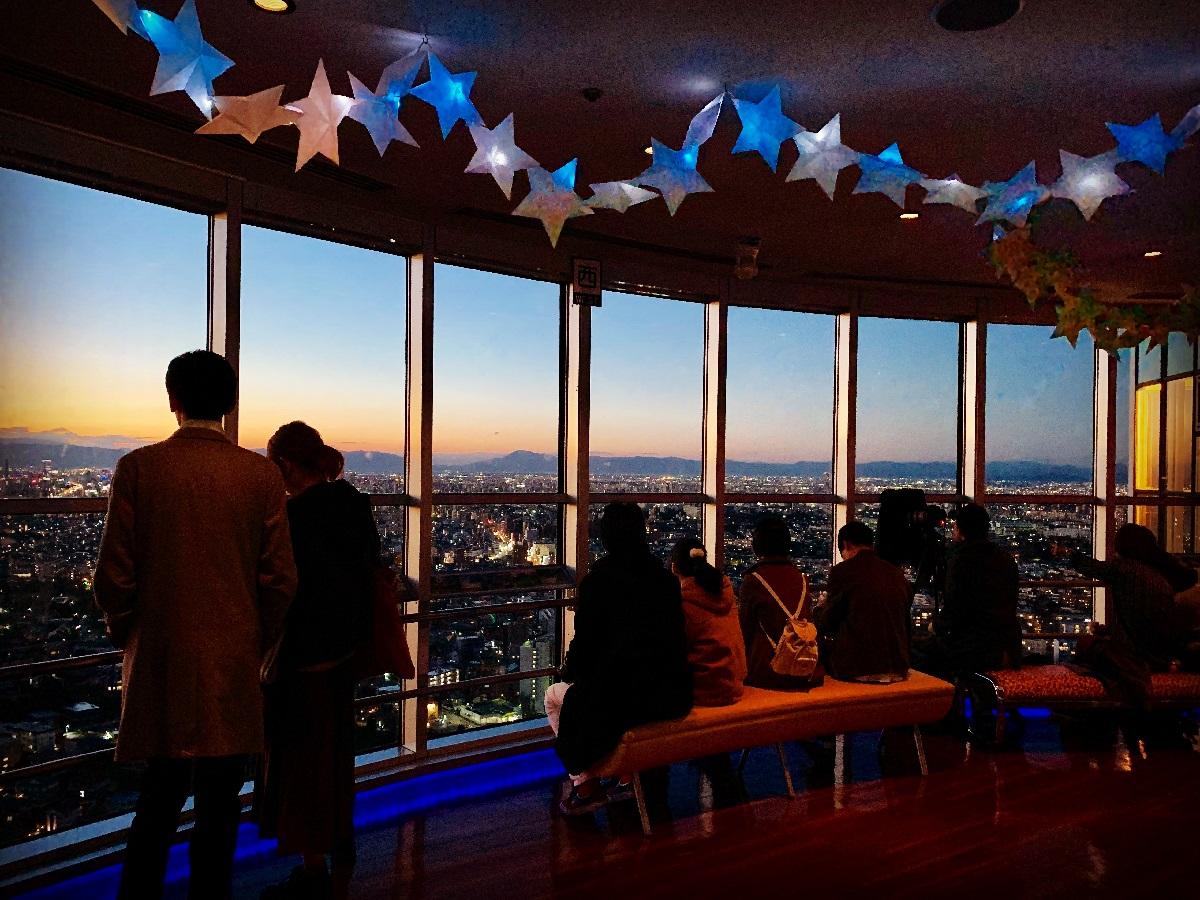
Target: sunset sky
{"x":98,"y":292}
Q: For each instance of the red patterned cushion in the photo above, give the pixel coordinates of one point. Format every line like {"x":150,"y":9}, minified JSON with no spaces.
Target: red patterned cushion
{"x":1045,"y":683}
{"x":1180,"y":686}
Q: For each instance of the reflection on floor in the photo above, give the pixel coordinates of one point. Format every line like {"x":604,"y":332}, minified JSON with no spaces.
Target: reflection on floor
{"x":1078,"y":810}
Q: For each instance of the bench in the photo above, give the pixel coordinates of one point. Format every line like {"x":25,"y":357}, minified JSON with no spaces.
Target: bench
{"x":1065,"y":689}
{"x":763,"y":717}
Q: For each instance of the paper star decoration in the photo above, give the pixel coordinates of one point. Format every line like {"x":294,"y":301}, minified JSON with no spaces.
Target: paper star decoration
{"x":1088,"y":181}
{"x":185,"y":61}
{"x":617,"y":195}
{"x":124,"y":14}
{"x":886,"y":174}
{"x":1012,"y":200}
{"x":1146,"y":143}
{"x":701,"y":128}
{"x":449,"y":94}
{"x":497,"y":154}
{"x":249,"y":116}
{"x":552,"y":199}
{"x":321,"y":113}
{"x":1188,"y":125}
{"x":764,"y":127}
{"x":952,"y":190}
{"x":673,"y":173}
{"x":379,"y":111}
{"x":822,"y":156}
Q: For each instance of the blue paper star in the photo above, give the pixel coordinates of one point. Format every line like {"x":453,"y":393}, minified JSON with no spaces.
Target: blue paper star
{"x":1146,"y":143}
{"x":379,"y":112}
{"x":886,"y":174}
{"x":1013,"y":200}
{"x":764,"y":127}
{"x":552,"y":199}
{"x":673,"y":173}
{"x":186,"y":62}
{"x":449,"y":94}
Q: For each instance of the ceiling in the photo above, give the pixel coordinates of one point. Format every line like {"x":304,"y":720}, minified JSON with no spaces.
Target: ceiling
{"x":980,"y":104}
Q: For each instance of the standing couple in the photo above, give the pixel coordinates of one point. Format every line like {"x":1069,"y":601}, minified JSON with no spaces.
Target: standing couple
{"x":240,"y":611}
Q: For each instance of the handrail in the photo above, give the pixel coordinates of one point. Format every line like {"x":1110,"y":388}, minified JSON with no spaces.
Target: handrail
{"x":62,"y":664}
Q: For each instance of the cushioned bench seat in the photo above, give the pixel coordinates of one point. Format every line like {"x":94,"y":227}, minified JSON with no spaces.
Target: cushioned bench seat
{"x":764,"y":717}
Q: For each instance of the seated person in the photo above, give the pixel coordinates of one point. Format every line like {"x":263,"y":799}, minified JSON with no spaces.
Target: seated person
{"x":627,"y":664}
{"x":761,"y":617}
{"x":864,"y":618}
{"x":977,"y":628}
{"x":714,"y":637}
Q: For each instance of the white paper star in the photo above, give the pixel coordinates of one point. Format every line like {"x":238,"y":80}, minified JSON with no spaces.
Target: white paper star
{"x":952,"y":190}
{"x":497,"y":154}
{"x":617,"y":195}
{"x":124,"y":14}
{"x":1088,"y":181}
{"x":701,"y":128}
{"x":322,"y":112}
{"x":379,"y":113}
{"x":186,"y":62}
{"x":822,"y":156}
{"x":886,"y":174}
{"x":249,"y":116}
{"x":552,"y":199}
{"x":1013,"y":200}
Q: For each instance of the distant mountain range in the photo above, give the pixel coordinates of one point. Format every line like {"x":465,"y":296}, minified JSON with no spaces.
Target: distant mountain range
{"x":22,"y":452}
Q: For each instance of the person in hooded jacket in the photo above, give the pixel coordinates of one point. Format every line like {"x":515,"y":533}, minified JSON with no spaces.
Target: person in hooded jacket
{"x":306,"y":799}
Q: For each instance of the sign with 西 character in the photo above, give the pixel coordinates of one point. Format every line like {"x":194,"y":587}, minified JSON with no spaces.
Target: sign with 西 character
{"x":585,"y":282}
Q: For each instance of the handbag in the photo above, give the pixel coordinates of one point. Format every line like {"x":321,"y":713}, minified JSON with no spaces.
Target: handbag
{"x":796,"y":650}
{"x":385,"y":648}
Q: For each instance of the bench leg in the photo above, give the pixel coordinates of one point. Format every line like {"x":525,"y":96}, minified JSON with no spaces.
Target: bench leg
{"x":787,"y":773}
{"x":1001,"y":724}
{"x":920,"y":745}
{"x":741,"y":766}
{"x":640,"y":796}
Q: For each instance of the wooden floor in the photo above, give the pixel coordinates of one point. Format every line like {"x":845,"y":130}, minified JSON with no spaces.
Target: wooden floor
{"x":1067,"y":816}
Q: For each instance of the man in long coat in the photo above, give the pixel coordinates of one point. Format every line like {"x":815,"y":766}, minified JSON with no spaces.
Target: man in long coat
{"x":194,"y":576}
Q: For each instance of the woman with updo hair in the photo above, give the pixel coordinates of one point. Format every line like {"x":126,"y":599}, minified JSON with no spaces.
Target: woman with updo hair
{"x":306,"y":800}
{"x":716,"y":651}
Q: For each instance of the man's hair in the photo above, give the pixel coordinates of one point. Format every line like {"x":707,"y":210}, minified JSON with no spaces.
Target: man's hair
{"x":202,"y":384}
{"x":973,"y":521}
{"x":771,"y":537}
{"x":856,"y":534}
{"x":623,"y":528}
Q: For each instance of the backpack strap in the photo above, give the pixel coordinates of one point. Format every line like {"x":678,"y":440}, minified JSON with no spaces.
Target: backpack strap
{"x":792,"y":616}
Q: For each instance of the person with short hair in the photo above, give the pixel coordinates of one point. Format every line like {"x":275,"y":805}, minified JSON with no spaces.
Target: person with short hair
{"x":864,"y":620}
{"x":194,"y":578}
{"x":774,"y":574}
{"x":627,"y":664}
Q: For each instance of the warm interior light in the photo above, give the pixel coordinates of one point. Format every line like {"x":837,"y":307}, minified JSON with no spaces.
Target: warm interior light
{"x":649,"y":151}
{"x":910,"y":215}
{"x":275,"y":6}
{"x":1150,"y":254}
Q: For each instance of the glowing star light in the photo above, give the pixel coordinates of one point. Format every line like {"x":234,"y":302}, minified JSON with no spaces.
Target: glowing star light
{"x":1146,"y":143}
{"x":185,"y":61}
{"x":321,"y":113}
{"x":1088,"y":181}
{"x":449,"y":94}
{"x":497,"y":154}
{"x":124,"y":14}
{"x":822,"y":156}
{"x":249,"y":116}
{"x":379,"y":112}
{"x":617,"y":195}
{"x":1013,"y":200}
{"x":552,"y":199}
{"x":764,"y":127}
{"x":952,"y":190}
{"x":886,"y":174}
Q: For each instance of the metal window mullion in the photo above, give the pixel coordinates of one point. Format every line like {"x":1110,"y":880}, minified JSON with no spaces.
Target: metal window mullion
{"x":845,"y":404}
{"x":973,"y":407}
{"x":1104,"y":453}
{"x":225,"y":286}
{"x":716,"y":326}
{"x":576,"y":447}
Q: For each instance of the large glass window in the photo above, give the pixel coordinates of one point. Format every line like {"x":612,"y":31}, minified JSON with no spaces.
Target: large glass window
{"x":647,"y":394}
{"x":496,"y":382}
{"x":907,"y":428}
{"x":666,"y":524}
{"x":811,"y":527}
{"x":323,"y":341}
{"x":1179,"y":434}
{"x":779,"y":402}
{"x":1148,"y":435}
{"x":1039,"y":412}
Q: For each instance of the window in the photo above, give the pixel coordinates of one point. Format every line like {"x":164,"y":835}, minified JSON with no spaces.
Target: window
{"x":811,"y":527}
{"x":666,"y":524}
{"x":647,"y":394}
{"x":1028,"y":530}
{"x":1147,"y":436}
{"x":779,"y":402}
{"x":323,"y":341}
{"x":1039,"y":412}
{"x":907,"y":426}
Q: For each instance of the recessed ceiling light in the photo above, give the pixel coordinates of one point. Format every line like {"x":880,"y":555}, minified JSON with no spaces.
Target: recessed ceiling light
{"x":391,"y":240}
{"x":649,"y":151}
{"x":975,"y":15}
{"x":1150,"y":254}
{"x":908,"y":216}
{"x":275,"y":6}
